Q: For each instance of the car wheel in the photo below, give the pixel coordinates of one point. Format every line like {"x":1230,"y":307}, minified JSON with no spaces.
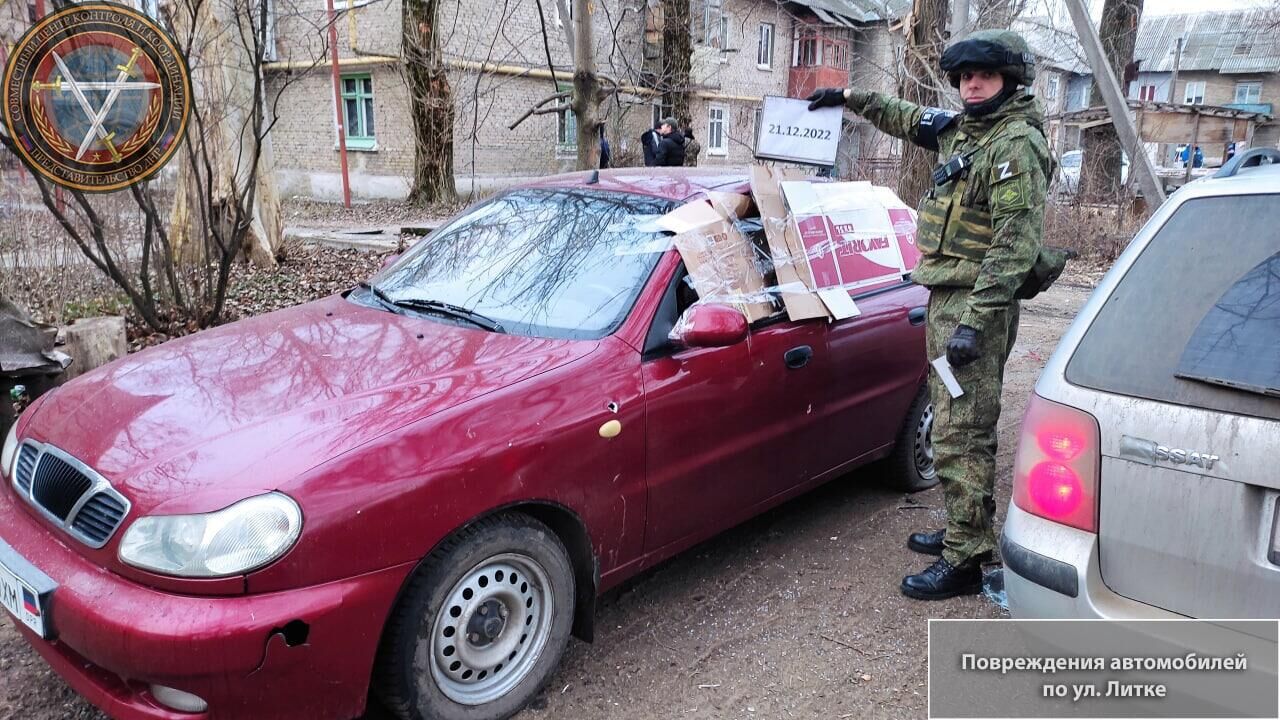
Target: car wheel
{"x":481,"y":624}
{"x":910,"y":467}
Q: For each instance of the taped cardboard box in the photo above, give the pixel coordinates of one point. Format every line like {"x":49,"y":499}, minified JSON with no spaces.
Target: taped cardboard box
{"x":795,"y":277}
{"x":721,"y":261}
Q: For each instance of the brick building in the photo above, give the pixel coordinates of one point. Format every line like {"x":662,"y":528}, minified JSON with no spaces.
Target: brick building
{"x":497,"y":67}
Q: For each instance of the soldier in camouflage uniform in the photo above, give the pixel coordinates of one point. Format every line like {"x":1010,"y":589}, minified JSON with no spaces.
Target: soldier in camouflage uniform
{"x":979,"y":232}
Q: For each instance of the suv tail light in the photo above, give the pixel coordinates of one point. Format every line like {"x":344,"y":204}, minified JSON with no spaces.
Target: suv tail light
{"x":1055,"y":471}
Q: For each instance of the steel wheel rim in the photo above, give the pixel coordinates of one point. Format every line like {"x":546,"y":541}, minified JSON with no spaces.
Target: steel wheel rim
{"x":470,"y":662}
{"x":924,"y":445}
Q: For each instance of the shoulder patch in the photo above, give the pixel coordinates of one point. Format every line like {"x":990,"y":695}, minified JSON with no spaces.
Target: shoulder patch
{"x":1006,"y":170}
{"x":1010,"y":196}
{"x":933,"y":121}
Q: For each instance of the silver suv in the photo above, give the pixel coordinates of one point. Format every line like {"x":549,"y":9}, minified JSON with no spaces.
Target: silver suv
{"x":1148,"y":469}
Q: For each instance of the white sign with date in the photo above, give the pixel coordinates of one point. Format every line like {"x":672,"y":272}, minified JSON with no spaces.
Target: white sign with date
{"x":790,"y":132}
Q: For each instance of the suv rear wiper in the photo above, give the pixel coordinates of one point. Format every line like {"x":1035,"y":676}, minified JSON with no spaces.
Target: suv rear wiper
{"x":436,"y":306}
{"x":1232,"y":385}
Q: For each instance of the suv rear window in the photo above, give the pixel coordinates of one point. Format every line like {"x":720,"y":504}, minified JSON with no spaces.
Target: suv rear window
{"x":1196,"y":320}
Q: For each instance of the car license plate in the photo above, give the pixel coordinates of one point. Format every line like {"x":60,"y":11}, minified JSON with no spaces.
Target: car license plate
{"x":21,"y":598}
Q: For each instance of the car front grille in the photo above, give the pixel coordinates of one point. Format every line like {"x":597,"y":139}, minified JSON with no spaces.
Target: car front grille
{"x":69,"y":493}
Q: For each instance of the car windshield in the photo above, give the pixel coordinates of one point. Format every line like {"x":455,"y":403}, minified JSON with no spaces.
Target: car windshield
{"x":1196,"y":319}
{"x":549,"y":263}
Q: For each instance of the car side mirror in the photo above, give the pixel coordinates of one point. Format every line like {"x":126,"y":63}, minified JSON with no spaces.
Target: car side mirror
{"x":710,"y":325}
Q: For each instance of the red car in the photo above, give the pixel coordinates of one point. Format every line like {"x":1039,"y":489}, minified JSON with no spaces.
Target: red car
{"x":418,"y":488}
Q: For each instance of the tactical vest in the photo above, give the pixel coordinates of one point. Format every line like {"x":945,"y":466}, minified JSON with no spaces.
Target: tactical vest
{"x":948,"y":227}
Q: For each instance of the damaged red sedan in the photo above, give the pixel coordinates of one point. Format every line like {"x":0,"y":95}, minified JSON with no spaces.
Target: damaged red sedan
{"x":415,"y":491}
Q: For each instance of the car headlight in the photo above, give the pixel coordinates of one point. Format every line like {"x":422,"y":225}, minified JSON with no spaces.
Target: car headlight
{"x":231,"y":541}
{"x":10,"y":450}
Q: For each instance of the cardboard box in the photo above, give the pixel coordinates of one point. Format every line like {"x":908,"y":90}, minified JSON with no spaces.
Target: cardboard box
{"x":856,"y":236}
{"x":795,"y":276}
{"x":720,"y":259}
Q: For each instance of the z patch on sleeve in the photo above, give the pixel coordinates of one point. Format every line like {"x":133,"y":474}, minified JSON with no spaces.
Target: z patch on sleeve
{"x":1008,"y":188}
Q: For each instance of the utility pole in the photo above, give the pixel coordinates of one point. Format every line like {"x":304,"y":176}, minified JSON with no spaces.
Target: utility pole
{"x":1177,"y":63}
{"x":1117,"y":106}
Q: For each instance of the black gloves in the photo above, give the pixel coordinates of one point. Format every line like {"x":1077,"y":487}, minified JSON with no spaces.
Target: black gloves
{"x":962,"y":348}
{"x":826,"y":97}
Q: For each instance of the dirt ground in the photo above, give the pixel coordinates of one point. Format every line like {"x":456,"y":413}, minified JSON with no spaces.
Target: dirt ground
{"x":795,"y":614}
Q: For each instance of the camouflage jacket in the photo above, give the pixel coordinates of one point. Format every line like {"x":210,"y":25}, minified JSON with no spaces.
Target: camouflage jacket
{"x":980,"y":230}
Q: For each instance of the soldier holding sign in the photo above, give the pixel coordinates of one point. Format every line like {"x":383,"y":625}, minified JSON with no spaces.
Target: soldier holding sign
{"x":979,"y":232}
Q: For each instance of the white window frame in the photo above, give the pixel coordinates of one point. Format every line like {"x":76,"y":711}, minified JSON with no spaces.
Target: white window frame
{"x":566,"y":129}
{"x":1255,"y":86}
{"x":150,"y":8}
{"x":1193,"y":93}
{"x":1051,"y":84}
{"x":757,"y":119}
{"x":723,"y":120}
{"x":1148,"y":93}
{"x":561,"y":21}
{"x":764,"y":50}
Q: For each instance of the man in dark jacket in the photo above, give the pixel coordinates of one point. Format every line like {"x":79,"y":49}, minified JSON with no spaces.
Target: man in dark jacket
{"x":671,"y":148}
{"x":649,"y":141}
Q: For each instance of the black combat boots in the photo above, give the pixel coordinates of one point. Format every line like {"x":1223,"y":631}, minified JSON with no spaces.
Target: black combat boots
{"x":943,"y":580}
{"x":927,"y":543}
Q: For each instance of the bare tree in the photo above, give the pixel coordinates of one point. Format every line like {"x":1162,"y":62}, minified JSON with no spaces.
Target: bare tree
{"x":926,"y":38}
{"x":677,"y":59}
{"x":1100,"y":178}
{"x":430,"y":103}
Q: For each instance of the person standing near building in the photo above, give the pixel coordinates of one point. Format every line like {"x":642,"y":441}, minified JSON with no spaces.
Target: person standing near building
{"x":692,"y":148}
{"x":980,"y":236}
{"x":671,"y":148}
{"x":649,"y":141}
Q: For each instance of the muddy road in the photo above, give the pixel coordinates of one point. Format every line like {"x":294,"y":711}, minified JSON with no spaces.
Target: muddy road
{"x":795,"y":614}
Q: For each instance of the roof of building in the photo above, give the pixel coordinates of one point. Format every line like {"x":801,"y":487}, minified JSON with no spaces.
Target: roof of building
{"x":1233,"y":42}
{"x":1241,"y":41}
{"x":851,"y":13}
{"x":1055,"y":46}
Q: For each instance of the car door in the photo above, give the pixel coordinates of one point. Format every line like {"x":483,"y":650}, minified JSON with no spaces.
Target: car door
{"x":728,"y":428}
{"x":877,"y":364}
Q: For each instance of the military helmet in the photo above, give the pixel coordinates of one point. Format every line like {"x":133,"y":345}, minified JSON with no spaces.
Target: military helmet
{"x":1004,"y":51}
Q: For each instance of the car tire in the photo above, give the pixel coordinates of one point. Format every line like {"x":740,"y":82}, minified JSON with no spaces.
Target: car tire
{"x":910,"y":467}
{"x":452,"y":648}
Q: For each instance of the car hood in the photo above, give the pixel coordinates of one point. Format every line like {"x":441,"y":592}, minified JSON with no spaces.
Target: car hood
{"x":246,"y":406}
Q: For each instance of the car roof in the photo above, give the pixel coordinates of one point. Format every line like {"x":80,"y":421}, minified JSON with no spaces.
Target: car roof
{"x":1256,"y":180}
{"x":675,"y":183}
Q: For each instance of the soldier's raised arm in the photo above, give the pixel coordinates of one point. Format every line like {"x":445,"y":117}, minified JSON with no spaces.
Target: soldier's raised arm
{"x":897,"y":117}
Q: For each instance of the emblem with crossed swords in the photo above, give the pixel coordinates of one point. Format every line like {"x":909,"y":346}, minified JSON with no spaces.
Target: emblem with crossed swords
{"x":122,"y":83}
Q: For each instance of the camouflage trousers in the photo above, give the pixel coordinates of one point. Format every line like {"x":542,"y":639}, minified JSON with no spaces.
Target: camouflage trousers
{"x":964,"y":428}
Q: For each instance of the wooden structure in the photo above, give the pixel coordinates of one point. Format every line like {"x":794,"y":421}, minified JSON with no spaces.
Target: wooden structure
{"x":1175,"y":124}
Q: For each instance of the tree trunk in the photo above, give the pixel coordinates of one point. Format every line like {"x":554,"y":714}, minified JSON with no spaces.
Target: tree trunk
{"x":430,"y":104}
{"x":1100,"y":171}
{"x":226,"y":90}
{"x":924,"y":46}
{"x":586,"y":87}
{"x":677,"y":59}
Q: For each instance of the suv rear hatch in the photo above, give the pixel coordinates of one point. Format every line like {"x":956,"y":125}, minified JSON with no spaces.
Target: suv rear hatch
{"x":1186,"y":354}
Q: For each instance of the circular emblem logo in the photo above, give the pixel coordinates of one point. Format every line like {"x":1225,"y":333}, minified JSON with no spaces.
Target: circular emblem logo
{"x":96,"y":97}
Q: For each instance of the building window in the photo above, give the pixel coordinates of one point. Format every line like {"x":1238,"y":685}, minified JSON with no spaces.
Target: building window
{"x":1249,"y":92}
{"x":756,"y":118}
{"x":1147,"y":93}
{"x":717,"y":130}
{"x":150,"y":7}
{"x":808,"y":50}
{"x":357,"y":111}
{"x":566,"y":127}
{"x":715,"y":25}
{"x":1051,"y":87}
{"x":1193,"y":93}
{"x":835,"y":54}
{"x":764,"y":53}
{"x":661,"y":111}
{"x":562,"y":20}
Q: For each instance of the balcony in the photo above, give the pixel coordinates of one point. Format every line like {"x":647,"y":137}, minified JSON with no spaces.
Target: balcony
{"x":1264,"y":108}
{"x":820,"y":58}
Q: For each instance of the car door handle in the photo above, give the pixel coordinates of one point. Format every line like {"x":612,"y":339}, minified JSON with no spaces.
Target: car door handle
{"x":798,"y":357}
{"x":916,"y":315}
